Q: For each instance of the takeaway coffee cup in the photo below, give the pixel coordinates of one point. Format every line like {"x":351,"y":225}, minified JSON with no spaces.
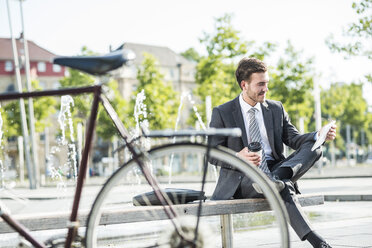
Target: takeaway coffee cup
{"x":255,"y":147}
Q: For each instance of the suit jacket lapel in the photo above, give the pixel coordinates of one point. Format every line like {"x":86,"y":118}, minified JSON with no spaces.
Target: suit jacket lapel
{"x":269,"y":124}
{"x":238,"y":117}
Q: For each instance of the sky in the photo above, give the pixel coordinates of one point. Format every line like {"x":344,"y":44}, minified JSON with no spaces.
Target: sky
{"x":63,"y":27}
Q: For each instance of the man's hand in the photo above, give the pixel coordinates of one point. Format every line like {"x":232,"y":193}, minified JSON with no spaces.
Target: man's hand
{"x":252,"y":157}
{"x":331,"y":135}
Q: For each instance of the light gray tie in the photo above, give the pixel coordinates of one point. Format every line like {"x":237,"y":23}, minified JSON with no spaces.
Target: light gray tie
{"x":255,"y":136}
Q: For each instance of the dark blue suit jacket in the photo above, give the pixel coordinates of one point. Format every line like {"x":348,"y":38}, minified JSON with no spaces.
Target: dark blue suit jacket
{"x":279,"y":131}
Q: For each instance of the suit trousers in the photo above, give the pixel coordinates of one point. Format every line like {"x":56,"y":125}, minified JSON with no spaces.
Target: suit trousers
{"x":299,"y":162}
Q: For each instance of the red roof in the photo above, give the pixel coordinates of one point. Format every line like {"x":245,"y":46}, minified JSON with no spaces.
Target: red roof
{"x":36,"y":52}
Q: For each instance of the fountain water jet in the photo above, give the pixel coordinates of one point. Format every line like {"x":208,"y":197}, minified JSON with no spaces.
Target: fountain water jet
{"x":140,"y":109}
{"x":200,"y":121}
{"x":64,"y":120}
{"x":63,"y":117}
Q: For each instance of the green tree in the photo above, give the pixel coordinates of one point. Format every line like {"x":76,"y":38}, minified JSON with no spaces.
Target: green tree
{"x":262,"y":51}
{"x":358,"y":33}
{"x":161,"y":99}
{"x":214,"y":72}
{"x":359,"y":38}
{"x":105,"y":128}
{"x":191,"y":54}
{"x":224,"y":42}
{"x":85,"y":51}
{"x":345,"y":103}
{"x":44,"y":108}
{"x":368,"y":129}
{"x":291,"y":82}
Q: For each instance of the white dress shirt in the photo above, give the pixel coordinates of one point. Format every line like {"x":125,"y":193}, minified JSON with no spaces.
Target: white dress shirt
{"x":245,"y":107}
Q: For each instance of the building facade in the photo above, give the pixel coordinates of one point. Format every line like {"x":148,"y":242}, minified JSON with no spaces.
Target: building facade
{"x":175,"y":68}
{"x":41,"y":66}
{"x":48,"y":75}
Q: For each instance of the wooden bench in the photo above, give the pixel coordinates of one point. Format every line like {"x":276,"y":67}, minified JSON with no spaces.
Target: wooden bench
{"x":225,"y":209}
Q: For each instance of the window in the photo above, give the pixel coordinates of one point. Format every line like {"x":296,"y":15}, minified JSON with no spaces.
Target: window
{"x":57,"y":68}
{"x":41,"y":66}
{"x":8,"y":66}
{"x":10,"y":88}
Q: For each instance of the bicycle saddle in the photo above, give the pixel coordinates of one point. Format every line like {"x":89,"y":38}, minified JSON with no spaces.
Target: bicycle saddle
{"x":97,"y":65}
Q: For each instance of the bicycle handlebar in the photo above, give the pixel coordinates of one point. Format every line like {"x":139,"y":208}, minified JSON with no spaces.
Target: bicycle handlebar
{"x":234,"y":132}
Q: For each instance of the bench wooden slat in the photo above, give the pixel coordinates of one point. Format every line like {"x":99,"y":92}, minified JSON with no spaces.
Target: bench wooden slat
{"x":47,"y":221}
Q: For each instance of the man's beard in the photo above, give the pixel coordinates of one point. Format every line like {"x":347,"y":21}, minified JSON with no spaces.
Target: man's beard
{"x":256,"y":99}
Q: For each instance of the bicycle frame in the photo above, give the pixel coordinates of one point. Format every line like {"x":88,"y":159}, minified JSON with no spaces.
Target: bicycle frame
{"x":73,"y":224}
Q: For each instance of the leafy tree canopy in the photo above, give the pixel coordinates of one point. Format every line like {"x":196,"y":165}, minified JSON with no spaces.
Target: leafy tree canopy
{"x":191,"y":54}
{"x":349,"y":106}
{"x":360,"y":33}
{"x":291,"y":82}
{"x":215,"y":71}
{"x":161,"y":100}
{"x":225,"y":41}
{"x":345,"y":103}
{"x":105,"y":128}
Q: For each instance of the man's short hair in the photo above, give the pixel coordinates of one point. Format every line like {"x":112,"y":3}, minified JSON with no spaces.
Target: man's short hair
{"x":248,"y":66}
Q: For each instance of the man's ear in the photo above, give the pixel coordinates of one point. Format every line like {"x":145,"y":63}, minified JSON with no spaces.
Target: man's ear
{"x":242,"y":84}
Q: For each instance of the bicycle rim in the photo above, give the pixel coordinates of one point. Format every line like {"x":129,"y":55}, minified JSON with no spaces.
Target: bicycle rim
{"x":160,"y":231}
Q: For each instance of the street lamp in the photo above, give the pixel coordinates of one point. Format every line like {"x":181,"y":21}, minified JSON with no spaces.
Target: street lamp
{"x":21,"y":103}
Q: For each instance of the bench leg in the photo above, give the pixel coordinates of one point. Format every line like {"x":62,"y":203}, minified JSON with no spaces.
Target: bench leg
{"x":227,"y":230}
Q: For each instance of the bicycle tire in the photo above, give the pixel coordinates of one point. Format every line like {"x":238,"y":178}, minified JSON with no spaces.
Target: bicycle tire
{"x":220,"y":153}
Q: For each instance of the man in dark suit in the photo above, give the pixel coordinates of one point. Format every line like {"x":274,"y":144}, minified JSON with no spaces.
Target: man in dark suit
{"x":274,"y":128}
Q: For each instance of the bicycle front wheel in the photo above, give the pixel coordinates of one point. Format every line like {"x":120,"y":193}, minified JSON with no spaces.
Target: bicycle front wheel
{"x":179,"y":170}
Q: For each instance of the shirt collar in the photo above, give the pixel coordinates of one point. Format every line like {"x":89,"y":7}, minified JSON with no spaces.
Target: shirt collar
{"x":246,"y":107}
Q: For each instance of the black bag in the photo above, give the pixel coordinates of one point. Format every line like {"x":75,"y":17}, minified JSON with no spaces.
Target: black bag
{"x":177,"y":196}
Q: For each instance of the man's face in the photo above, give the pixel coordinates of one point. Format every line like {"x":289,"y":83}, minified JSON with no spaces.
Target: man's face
{"x":255,"y":90}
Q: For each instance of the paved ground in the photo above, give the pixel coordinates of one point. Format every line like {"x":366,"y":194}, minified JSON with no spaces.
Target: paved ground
{"x":343,"y":224}
{"x":344,"y":171}
{"x":345,"y":220}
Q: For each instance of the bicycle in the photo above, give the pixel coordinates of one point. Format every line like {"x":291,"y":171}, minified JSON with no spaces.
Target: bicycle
{"x":181,"y":234}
